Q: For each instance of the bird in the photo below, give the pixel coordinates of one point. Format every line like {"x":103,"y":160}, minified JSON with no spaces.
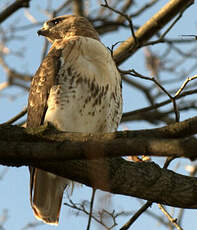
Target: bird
{"x":77,"y":88}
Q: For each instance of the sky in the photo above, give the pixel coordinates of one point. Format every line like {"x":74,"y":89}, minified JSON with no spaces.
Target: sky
{"x":14,"y":187}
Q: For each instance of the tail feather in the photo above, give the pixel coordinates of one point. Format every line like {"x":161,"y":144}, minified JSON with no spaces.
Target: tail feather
{"x":47,"y":195}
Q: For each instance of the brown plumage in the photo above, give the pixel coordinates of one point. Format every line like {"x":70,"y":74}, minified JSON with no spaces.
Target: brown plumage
{"x":77,"y":88}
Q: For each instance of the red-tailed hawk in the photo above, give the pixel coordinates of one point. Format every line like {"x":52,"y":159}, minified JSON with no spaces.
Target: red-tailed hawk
{"x":77,"y":88}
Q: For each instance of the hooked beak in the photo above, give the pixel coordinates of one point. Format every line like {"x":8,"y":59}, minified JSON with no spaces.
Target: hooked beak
{"x":43,"y":32}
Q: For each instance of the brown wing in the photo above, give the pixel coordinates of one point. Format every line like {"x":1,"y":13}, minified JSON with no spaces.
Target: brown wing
{"x":43,"y":80}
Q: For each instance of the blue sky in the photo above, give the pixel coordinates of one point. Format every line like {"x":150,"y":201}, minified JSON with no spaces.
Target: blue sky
{"x":14,"y":188}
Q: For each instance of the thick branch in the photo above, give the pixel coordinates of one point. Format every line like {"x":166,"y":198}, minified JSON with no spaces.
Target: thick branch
{"x":143,"y":180}
{"x":150,"y":28}
{"x":48,"y":151}
{"x":47,"y":144}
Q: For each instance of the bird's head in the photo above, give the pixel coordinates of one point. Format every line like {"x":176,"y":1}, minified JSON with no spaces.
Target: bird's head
{"x":66,"y":26}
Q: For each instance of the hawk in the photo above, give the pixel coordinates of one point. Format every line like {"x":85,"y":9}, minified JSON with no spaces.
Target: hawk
{"x":77,"y":88}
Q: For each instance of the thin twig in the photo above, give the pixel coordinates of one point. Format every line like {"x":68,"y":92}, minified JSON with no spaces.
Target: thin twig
{"x":91,"y":208}
{"x":156,"y":217}
{"x":161,"y":38}
{"x":126,"y":16}
{"x":143,"y":8}
{"x":172,"y":98}
{"x":189,"y":35}
{"x":15,"y":118}
{"x":170,"y":218}
{"x":145,"y":90}
{"x":184,"y":85}
{"x":81,"y":208}
{"x":168,"y":161}
{"x":134,"y":73}
{"x":113,"y":46}
{"x":150,"y":28}
{"x":157,"y":105}
{"x":136,"y":215}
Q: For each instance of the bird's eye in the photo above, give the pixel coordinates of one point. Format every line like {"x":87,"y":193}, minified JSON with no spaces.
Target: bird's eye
{"x":54,"y":22}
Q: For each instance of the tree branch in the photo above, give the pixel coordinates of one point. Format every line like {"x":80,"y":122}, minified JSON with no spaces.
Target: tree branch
{"x":50,"y":150}
{"x":143,"y":180}
{"x":78,"y":7}
{"x":48,"y":144}
{"x":128,"y":115}
{"x":13,"y":8}
{"x":150,"y":28}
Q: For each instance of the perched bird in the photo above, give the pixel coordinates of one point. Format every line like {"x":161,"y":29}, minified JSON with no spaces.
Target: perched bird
{"x":77,"y":88}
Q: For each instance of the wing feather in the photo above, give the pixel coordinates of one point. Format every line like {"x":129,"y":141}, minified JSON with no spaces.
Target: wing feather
{"x":43,"y":80}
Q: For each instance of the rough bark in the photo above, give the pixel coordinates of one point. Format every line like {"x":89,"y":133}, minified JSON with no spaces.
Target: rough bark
{"x":50,"y":150}
{"x":48,"y":144}
{"x":143,"y":180}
